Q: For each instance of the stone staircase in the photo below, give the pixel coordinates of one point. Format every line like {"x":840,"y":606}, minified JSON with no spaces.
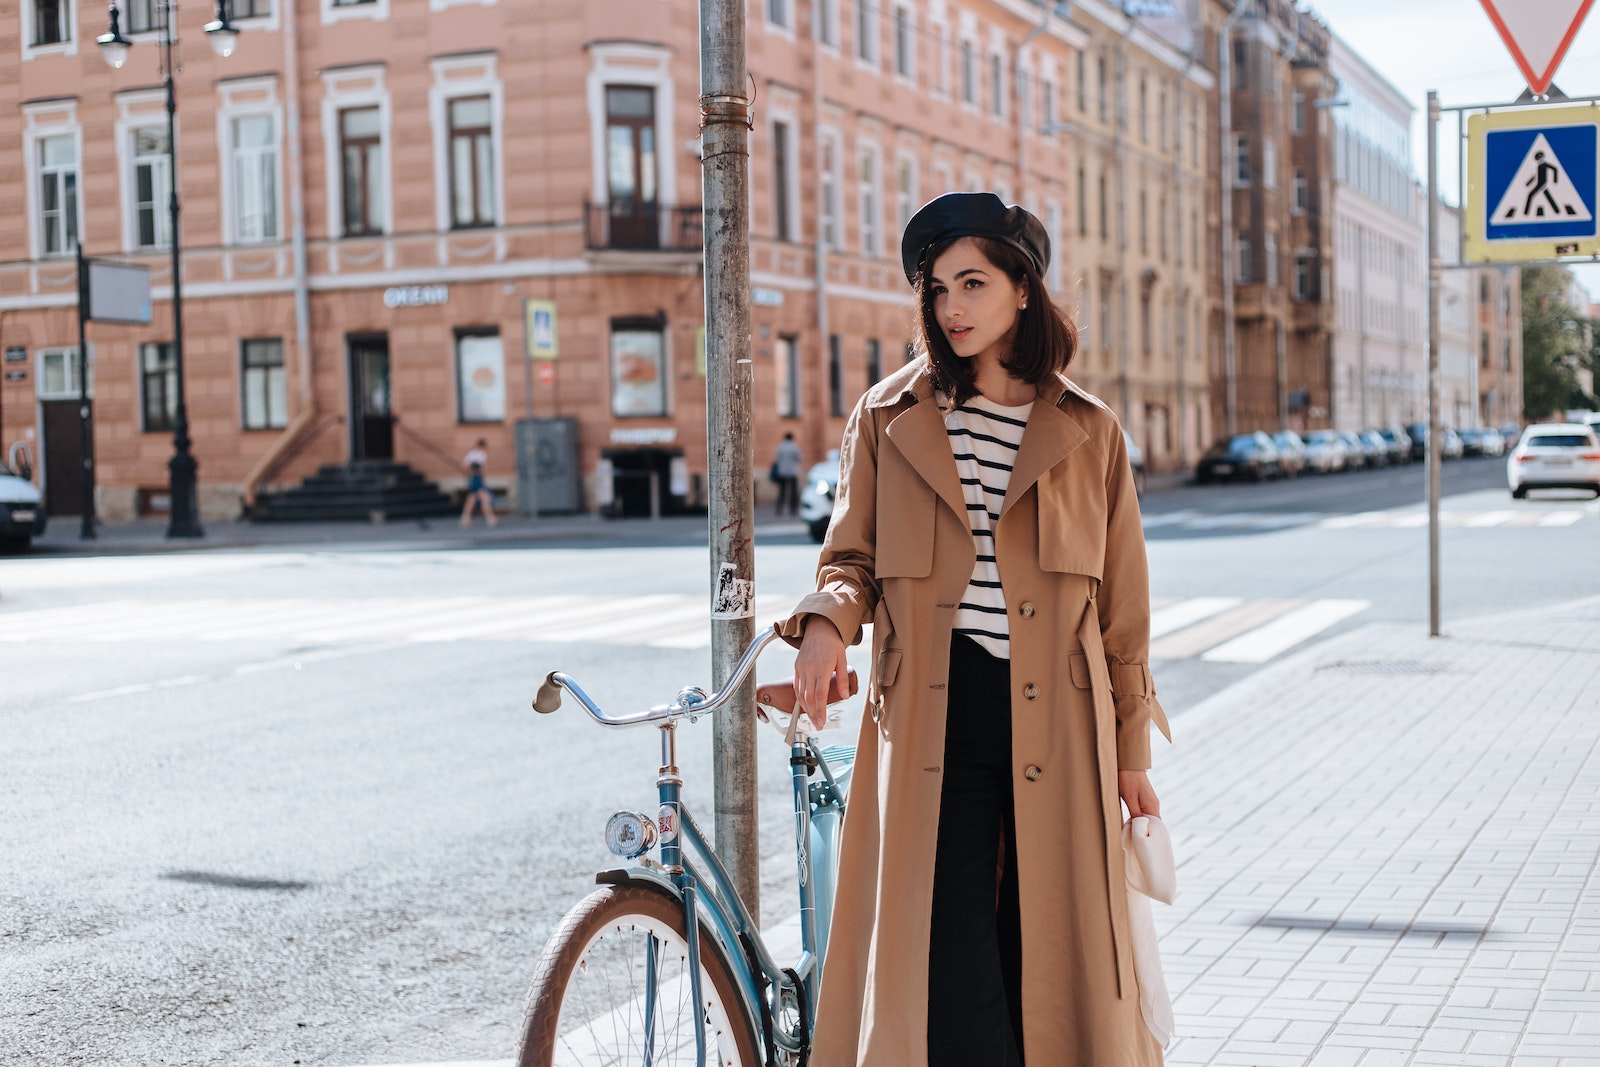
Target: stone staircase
{"x":366,"y":491}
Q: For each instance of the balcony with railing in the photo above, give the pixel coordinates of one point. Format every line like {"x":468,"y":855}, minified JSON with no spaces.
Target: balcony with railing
{"x":642,"y":226}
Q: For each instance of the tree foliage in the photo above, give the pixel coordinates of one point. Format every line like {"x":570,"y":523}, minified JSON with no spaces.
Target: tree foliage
{"x":1557,"y":340}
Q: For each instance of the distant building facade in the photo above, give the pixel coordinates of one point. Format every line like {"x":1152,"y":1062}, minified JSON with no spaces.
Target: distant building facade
{"x":1480,"y":336}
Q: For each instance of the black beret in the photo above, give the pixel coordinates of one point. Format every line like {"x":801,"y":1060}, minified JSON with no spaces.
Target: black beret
{"x":972,"y":215}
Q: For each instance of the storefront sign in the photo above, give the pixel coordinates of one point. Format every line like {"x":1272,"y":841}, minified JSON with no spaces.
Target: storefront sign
{"x":16,"y":375}
{"x":416,"y":296}
{"x":482,"y":379}
{"x":766,"y":298}
{"x":643,"y":435}
{"x":539,"y":324}
{"x":16,"y":354}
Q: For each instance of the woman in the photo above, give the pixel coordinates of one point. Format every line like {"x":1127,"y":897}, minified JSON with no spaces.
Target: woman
{"x":478,"y":495}
{"x":987,"y":526}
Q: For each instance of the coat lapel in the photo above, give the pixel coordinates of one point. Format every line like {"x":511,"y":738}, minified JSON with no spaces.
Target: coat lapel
{"x":1051,"y":435}
{"x":919,"y":433}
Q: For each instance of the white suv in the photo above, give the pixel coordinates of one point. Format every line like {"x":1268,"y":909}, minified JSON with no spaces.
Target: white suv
{"x":816,"y":496}
{"x":1555,"y":455}
{"x":22,"y":514}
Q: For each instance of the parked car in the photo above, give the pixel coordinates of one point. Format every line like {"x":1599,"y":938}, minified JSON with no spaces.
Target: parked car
{"x":817,"y":493}
{"x":1375,"y":448}
{"x":1453,"y":448}
{"x":1510,"y":433}
{"x":1136,"y":461}
{"x":1482,"y":441}
{"x":1399,"y":442}
{"x":1245,"y":455}
{"x":1326,"y":451}
{"x":22,"y":516}
{"x":1291,"y":452}
{"x":1555,"y":455}
{"x":1355,"y":455}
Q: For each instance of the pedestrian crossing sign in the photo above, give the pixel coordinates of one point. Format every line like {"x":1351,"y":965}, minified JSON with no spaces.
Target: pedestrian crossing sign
{"x":1533,"y":185}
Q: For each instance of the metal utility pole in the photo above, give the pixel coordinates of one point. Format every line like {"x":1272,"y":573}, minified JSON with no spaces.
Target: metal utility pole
{"x":1435,"y":275}
{"x":86,"y":529}
{"x":725,"y":147}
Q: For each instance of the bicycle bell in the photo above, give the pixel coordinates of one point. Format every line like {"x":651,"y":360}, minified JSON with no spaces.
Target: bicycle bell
{"x":630,"y":834}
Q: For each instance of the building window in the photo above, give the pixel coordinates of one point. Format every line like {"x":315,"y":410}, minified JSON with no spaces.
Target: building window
{"x":867,"y":30}
{"x":152,"y":188}
{"x":835,"y":377}
{"x":632,"y":186}
{"x":361,"y":153}
{"x":969,"y":74}
{"x":141,"y":15}
{"x":250,"y":9}
{"x":1105,"y":215}
{"x":58,"y":194}
{"x":1483,"y":289}
{"x":871,"y":215}
{"x":1144,"y":225}
{"x":1241,"y":160}
{"x":1297,"y":112}
{"x":52,"y":22}
{"x":874,"y":362}
{"x":158,"y":385}
{"x":638,"y":368}
{"x":1483,"y":350}
{"x":1082,"y":64}
{"x":905,"y":46}
{"x":1146,"y":331}
{"x":1104,"y":97}
{"x":1270,"y":254}
{"x":1505,"y":353}
{"x":997,"y":86}
{"x":1241,"y":251}
{"x":1144,"y":111}
{"x":60,"y":372}
{"x":264,"y":384}
{"x":255,"y":179}
{"x":1105,"y":312}
{"x":1302,"y":191}
{"x":480,"y":376}
{"x":471,"y":137}
{"x":781,"y":190}
{"x":1241,"y":68}
{"x":1083,"y":203}
{"x":788,"y":375}
{"x":1047,"y":107}
{"x":905,"y":191}
{"x":1304,"y":273}
{"x":827,"y":28}
{"x":778,"y":13}
{"x":1161,"y":118}
{"x":830,"y":192}
{"x":1161,"y":227}
{"x":1269,"y":163}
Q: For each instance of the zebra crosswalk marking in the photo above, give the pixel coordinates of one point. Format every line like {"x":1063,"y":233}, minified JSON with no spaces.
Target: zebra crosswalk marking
{"x":1176,"y":616}
{"x":1223,"y":626}
{"x":1264,"y":643}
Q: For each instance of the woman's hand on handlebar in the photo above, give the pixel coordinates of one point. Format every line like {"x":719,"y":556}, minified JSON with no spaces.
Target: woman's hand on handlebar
{"x":821,"y":657}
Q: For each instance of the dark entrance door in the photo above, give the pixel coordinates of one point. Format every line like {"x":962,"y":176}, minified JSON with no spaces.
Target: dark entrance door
{"x":63,"y":458}
{"x":371,"y":425}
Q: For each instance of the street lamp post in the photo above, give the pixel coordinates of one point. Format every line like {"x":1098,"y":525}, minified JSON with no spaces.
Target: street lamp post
{"x":182,"y":469}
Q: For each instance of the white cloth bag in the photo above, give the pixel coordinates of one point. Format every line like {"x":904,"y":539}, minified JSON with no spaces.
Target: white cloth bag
{"x":1152,"y":875}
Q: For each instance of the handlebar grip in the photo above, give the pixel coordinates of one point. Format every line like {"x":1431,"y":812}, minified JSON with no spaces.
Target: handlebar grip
{"x":549,"y":696}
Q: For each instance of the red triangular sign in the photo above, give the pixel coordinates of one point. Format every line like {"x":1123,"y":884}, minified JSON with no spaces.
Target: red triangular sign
{"x":1538,"y":33}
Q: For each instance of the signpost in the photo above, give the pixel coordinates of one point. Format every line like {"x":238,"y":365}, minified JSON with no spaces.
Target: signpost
{"x":1538,"y":33}
{"x":108,"y":292}
{"x":1532,"y":184}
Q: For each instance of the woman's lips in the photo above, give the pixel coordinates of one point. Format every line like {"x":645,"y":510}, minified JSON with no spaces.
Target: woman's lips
{"x":958,"y":332}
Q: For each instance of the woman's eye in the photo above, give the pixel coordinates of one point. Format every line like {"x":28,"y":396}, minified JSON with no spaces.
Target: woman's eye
{"x":973,"y":283}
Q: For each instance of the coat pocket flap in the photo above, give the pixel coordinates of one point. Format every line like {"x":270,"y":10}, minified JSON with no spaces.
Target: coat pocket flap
{"x":888,"y":666}
{"x":1079,"y":664}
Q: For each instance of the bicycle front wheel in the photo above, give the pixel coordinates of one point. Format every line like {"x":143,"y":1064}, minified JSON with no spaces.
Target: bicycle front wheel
{"x":613,"y":987}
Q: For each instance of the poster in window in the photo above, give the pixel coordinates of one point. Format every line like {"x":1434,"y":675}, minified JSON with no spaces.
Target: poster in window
{"x":480,"y":369}
{"x":638,"y":373}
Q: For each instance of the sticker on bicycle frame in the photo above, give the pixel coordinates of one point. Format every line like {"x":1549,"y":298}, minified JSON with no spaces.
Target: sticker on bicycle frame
{"x":668,"y":823}
{"x":735,"y":597}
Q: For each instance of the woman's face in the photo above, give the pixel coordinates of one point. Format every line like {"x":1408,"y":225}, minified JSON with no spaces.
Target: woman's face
{"x":974,"y":303}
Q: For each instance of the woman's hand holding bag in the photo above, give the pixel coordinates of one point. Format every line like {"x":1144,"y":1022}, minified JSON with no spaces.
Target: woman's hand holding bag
{"x":1151,"y":875}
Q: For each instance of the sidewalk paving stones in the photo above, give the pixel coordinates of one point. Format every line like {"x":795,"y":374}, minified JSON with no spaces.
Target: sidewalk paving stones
{"x":1388,"y":851}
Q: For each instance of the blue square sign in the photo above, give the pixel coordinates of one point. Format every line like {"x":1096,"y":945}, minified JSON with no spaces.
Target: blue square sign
{"x":1539,"y":182}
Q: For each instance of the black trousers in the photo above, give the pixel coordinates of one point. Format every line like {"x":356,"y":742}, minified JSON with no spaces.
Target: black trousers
{"x":788,"y":494}
{"x":975,"y":944}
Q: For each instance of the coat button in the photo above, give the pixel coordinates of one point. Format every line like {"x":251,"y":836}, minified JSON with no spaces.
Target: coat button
{"x":1026,"y":610}
{"x":1030,"y":691}
{"x":1033,"y":772}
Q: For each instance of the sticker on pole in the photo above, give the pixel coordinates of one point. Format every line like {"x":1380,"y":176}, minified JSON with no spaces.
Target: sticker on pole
{"x":1532,"y":189}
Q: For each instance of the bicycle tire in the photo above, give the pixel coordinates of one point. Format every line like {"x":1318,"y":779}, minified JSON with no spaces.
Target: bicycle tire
{"x":606,"y":936}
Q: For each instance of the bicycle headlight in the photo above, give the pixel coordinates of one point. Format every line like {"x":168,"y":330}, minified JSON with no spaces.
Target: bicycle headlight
{"x":630,"y":834}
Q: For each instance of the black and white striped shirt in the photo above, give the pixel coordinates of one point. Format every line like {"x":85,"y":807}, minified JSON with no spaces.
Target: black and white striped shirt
{"x":984,"y":438}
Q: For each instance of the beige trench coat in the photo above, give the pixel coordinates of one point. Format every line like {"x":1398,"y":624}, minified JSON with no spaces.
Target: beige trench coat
{"x":1072,"y":564}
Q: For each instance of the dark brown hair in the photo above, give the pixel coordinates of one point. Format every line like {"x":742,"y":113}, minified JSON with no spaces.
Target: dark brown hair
{"x":1044,"y":342}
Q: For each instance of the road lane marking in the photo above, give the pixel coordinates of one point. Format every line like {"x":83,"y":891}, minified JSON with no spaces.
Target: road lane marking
{"x":1561,"y":518}
{"x":1187,"y":612}
{"x":1284,"y":633}
{"x":1193,"y":640}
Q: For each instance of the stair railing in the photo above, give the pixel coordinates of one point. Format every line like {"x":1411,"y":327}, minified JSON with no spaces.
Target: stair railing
{"x":417,"y":438}
{"x":288,"y":456}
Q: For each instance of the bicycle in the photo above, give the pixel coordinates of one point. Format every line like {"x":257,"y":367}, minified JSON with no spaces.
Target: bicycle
{"x":620,"y":980}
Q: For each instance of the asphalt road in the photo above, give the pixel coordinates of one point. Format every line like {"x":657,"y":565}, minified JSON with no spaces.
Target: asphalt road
{"x":283,"y":806}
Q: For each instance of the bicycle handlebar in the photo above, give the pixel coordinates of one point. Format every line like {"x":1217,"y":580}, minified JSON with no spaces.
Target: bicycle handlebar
{"x":692,"y":702}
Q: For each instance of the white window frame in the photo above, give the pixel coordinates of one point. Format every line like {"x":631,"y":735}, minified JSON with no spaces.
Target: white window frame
{"x":868,"y":34}
{"x":73,"y":367}
{"x":248,"y":98}
{"x":476,"y":74}
{"x":783,"y":26}
{"x":786,"y":377}
{"x":1243,"y":267}
{"x":939,"y":31}
{"x":1269,"y":162}
{"x":967,"y":72}
{"x":275,"y":420}
{"x":1270,"y":253}
{"x":69,"y":47}
{"x":344,"y":88}
{"x":161,"y":190}
{"x":869,"y":198}
{"x":791,"y":121}
{"x":621,"y":63}
{"x":1297,"y":111}
{"x":905,"y":43}
{"x":42,"y":121}
{"x":997,"y":85}
{"x":1301,"y":199}
{"x":1304,"y":272}
{"x":906,"y":201}
{"x":374,"y":10}
{"x":825,"y":24}
{"x":830,"y":182}
{"x":137,"y":109}
{"x":1241,"y":161}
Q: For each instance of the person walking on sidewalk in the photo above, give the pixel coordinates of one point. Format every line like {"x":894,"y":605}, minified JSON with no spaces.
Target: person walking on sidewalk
{"x":987,"y":526}
{"x":478,"y":494}
{"x":786,"y":464}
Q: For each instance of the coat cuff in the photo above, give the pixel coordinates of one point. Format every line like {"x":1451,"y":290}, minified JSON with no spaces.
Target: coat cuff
{"x":1133,"y":693}
{"x":838,"y":606}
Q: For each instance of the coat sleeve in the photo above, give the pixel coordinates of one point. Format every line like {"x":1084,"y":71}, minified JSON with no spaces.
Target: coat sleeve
{"x":847,"y":591}
{"x":1124,"y":608}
